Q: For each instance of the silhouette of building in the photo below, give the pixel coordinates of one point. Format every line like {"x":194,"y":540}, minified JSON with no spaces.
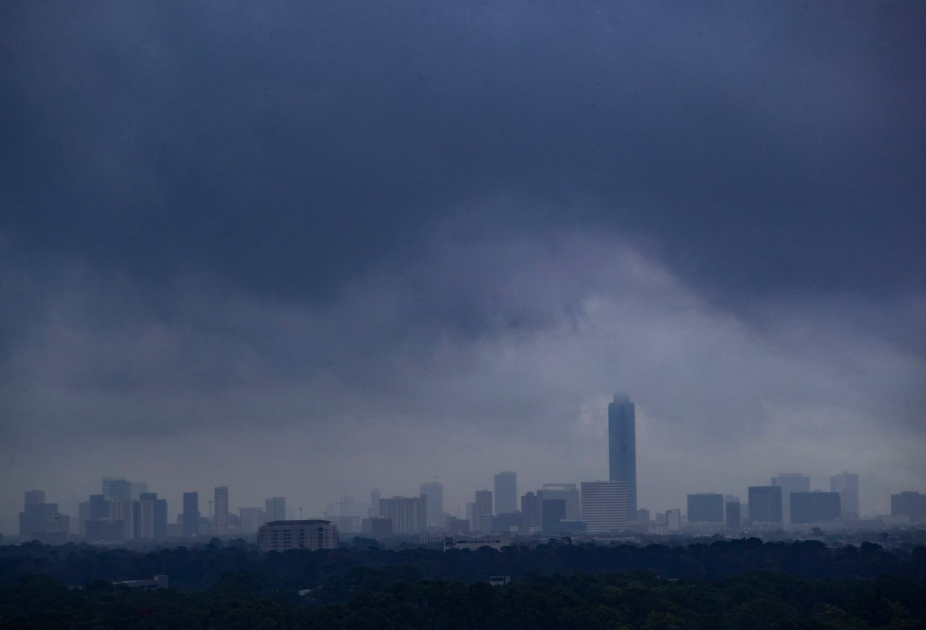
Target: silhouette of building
{"x":622,"y":446}
{"x":814,"y":507}
{"x":909,"y":504}
{"x":251,"y":519}
{"x":33,"y":497}
{"x":674,"y":520}
{"x":409,"y":515}
{"x":150,"y":516}
{"x":733,"y":514}
{"x":531,"y":512}
{"x":705,"y":507}
{"x":221,"y":511}
{"x":846,"y":484}
{"x":191,"y":513}
{"x":483,"y":511}
{"x":434,"y":491}
{"x":569,"y":493}
{"x":604,"y":505}
{"x":275,"y":509}
{"x":789,"y":482}
{"x":765,"y":504}
{"x":137,"y":488}
{"x":506,"y":493}
{"x":117,"y":489}
{"x":374,"y":503}
{"x":310,"y":534}
{"x":36,"y":515}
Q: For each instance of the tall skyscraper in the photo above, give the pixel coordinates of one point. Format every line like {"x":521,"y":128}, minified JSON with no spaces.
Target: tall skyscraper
{"x":117,"y":489}
{"x":483,"y":513}
{"x":435,"y":493}
{"x":506,"y":493}
{"x":374,"y":502}
{"x":604,"y":505}
{"x":622,"y":446}
{"x":765,"y":504}
{"x":275,"y":509}
{"x":191,"y":513}
{"x":790,"y":482}
{"x":846,"y":484}
{"x":221,"y":511}
{"x":149,"y":516}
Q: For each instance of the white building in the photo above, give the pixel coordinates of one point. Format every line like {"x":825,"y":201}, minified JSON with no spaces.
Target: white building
{"x":284,"y":535}
{"x":846,"y":484}
{"x":605,"y":505}
{"x":674,"y":520}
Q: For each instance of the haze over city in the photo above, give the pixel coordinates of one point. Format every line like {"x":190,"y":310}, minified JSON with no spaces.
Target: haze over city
{"x":312,"y":249}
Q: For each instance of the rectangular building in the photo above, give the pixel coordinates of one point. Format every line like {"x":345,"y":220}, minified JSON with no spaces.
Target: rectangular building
{"x":814,"y":507}
{"x":909,"y":504}
{"x":251,"y":519}
{"x":570,"y":494}
{"x":275,"y":509}
{"x":221,"y":511}
{"x":191,"y":514}
{"x":506,"y":493}
{"x":117,"y":489}
{"x":622,"y":446}
{"x":846,"y":484}
{"x":790,"y":482}
{"x":309,"y":534}
{"x":409,"y":515}
{"x":483,"y":511}
{"x":765,"y":504}
{"x":434,"y":491}
{"x":531,"y":512}
{"x":734,"y":518}
{"x":705,"y":507}
{"x":605,"y":505}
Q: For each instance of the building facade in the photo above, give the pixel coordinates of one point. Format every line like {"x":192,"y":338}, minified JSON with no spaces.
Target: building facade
{"x":765,"y":504}
{"x":790,"y":482}
{"x":569,"y":493}
{"x":483,"y":511}
{"x":705,"y":507}
{"x":275,"y":509}
{"x":846,"y":484}
{"x":251,"y":519}
{"x":531,"y":512}
{"x":814,"y":507}
{"x":622,"y":446}
{"x":605,"y":505}
{"x":434,"y":491}
{"x":909,"y":504}
{"x":285,"y":535}
{"x":506,"y":493}
{"x":191,"y":513}
{"x":409,"y":515}
{"x":734,"y":517}
{"x":221,"y":511}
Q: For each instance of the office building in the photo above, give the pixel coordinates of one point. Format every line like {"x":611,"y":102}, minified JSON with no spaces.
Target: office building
{"x":117,"y":489}
{"x":150,"y":515}
{"x":622,"y":446}
{"x":310,"y":534}
{"x":191,"y":514}
{"x":457,"y":525}
{"x":765,"y":504}
{"x":570,"y":494}
{"x":531,"y":512}
{"x":814,"y":507}
{"x":221,"y":511}
{"x":605,"y":505}
{"x":33,"y":497}
{"x":642,"y":516}
{"x":509,"y":521}
{"x":553,"y":512}
{"x":374,"y":502}
{"x":705,"y":507}
{"x":506,"y":493}
{"x":734,"y":518}
{"x":673,"y":520}
{"x":36,"y":514}
{"x":105,"y":531}
{"x":789,"y":482}
{"x":251,"y":519}
{"x":275,"y":509}
{"x":435,"y":493}
{"x":483,"y":511}
{"x":137,"y":488}
{"x":380,"y":526}
{"x":909,"y":504}
{"x":124,"y":511}
{"x":846,"y":484}
{"x":409,"y":515}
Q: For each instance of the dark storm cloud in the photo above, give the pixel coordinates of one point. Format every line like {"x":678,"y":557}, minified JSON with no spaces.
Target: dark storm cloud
{"x":285,"y":147}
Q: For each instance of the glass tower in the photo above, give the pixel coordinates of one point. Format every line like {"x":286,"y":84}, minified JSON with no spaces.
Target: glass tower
{"x":622,"y":443}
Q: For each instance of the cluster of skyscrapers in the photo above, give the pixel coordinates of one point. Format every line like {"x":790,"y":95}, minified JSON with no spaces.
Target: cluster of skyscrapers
{"x":125,"y":511}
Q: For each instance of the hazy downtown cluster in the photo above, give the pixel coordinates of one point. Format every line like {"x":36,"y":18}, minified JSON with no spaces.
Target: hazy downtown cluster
{"x":307,"y":249}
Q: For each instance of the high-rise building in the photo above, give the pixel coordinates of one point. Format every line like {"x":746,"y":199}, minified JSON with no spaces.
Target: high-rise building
{"x":33,"y":497}
{"x":150,"y":516}
{"x":374,"y":503}
{"x":506,"y":493}
{"x":471,"y":515}
{"x":137,"y":488}
{"x":531,"y":512}
{"x":36,"y":514}
{"x":435,"y":493}
{"x":622,"y":446}
{"x":790,"y":482}
{"x":221,"y":511}
{"x":283,"y":535}
{"x":553,"y":512}
{"x":604,"y":505}
{"x":674,"y":520}
{"x":705,"y":507}
{"x":734,"y":515}
{"x":275,"y":509}
{"x":191,"y":513}
{"x":117,"y":489}
{"x":251,"y":519}
{"x":814,"y":507}
{"x":765,"y":504}
{"x":124,"y":511}
{"x":483,"y":511}
{"x":846,"y":484}
{"x":909,"y":504}
{"x":409,"y":515}
{"x":569,"y":493}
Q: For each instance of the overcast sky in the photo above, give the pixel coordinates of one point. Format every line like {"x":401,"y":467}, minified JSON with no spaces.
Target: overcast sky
{"x":312,"y":248}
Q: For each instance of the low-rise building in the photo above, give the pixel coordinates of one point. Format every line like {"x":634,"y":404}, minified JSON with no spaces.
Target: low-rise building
{"x":477,"y":542}
{"x":310,"y":534}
